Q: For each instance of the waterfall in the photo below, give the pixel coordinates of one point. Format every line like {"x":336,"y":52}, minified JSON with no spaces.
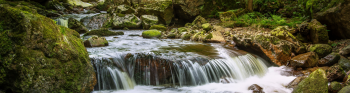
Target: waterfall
{"x":62,"y":22}
{"x":124,"y":71}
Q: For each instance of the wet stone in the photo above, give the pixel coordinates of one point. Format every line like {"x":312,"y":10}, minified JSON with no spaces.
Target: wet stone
{"x":256,"y":88}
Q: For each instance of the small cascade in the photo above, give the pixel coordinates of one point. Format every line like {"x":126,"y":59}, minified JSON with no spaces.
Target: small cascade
{"x":62,"y":22}
{"x":123,"y":71}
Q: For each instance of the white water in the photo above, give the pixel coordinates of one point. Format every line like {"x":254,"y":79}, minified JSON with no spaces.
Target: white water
{"x":241,"y":70}
{"x":271,"y":82}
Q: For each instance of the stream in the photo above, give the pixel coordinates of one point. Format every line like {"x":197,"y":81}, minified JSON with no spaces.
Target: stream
{"x":133,"y":64}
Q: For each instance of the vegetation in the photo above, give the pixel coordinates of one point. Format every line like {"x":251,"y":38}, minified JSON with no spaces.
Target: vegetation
{"x":258,"y":19}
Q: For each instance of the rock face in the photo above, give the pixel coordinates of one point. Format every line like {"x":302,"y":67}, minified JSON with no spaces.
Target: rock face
{"x":96,"y":41}
{"x":336,"y":20}
{"x":77,"y":26}
{"x":124,"y":9}
{"x":121,"y":21}
{"x":315,"y":83}
{"x":151,"y":34}
{"x":97,"y":21}
{"x":329,"y":60}
{"x":321,"y":49}
{"x":39,"y":56}
{"x":306,"y":60}
{"x":103,"y":32}
{"x":148,"y":21}
{"x":318,"y":32}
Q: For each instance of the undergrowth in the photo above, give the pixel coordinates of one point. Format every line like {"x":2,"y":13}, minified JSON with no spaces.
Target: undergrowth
{"x":270,"y":21}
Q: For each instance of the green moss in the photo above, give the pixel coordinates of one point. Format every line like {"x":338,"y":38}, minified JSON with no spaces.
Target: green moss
{"x":315,"y":83}
{"x":41,"y":56}
{"x":336,"y":85}
{"x":207,"y":26}
{"x":209,"y":36}
{"x":121,"y":15}
{"x":182,"y":29}
{"x":158,"y":27}
{"x":321,"y":49}
{"x":151,"y":34}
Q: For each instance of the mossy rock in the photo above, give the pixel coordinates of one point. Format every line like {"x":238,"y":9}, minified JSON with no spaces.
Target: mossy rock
{"x":315,"y":83}
{"x":79,"y":3}
{"x":207,"y":26}
{"x":148,"y":21}
{"x":199,"y":21}
{"x":151,"y":34}
{"x":124,"y":9}
{"x":182,"y":29}
{"x":282,"y":33}
{"x":186,"y":36}
{"x":77,"y":26}
{"x":322,"y":50}
{"x":227,"y":16}
{"x":103,"y":32}
{"x":171,"y":35}
{"x":158,"y":27}
{"x":129,"y":20}
{"x":344,"y":63}
{"x":335,"y":86}
{"x":96,"y":41}
{"x":318,"y":32}
{"x":41,"y":56}
{"x":345,"y":89}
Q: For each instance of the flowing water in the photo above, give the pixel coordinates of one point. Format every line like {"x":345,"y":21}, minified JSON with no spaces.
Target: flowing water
{"x":132,"y":64}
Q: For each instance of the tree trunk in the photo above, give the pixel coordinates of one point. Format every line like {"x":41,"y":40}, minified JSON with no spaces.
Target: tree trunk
{"x":250,"y":6}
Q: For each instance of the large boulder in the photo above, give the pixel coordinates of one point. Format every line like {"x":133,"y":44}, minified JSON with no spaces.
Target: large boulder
{"x":315,"y":83}
{"x":121,"y":21}
{"x":77,"y":26}
{"x":337,"y":21}
{"x":321,"y":49}
{"x":163,"y":10}
{"x":39,"y":56}
{"x":269,"y":47}
{"x":305,"y":60}
{"x":151,"y":34}
{"x":103,"y":32}
{"x":329,"y":60}
{"x":318,"y":32}
{"x":148,"y":21}
{"x":96,"y":41}
{"x":97,"y":22}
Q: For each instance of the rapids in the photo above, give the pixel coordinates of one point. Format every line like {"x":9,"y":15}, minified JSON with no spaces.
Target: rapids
{"x":132,"y":64}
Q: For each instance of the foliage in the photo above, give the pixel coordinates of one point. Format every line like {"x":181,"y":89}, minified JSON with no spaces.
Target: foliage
{"x":259,"y":19}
